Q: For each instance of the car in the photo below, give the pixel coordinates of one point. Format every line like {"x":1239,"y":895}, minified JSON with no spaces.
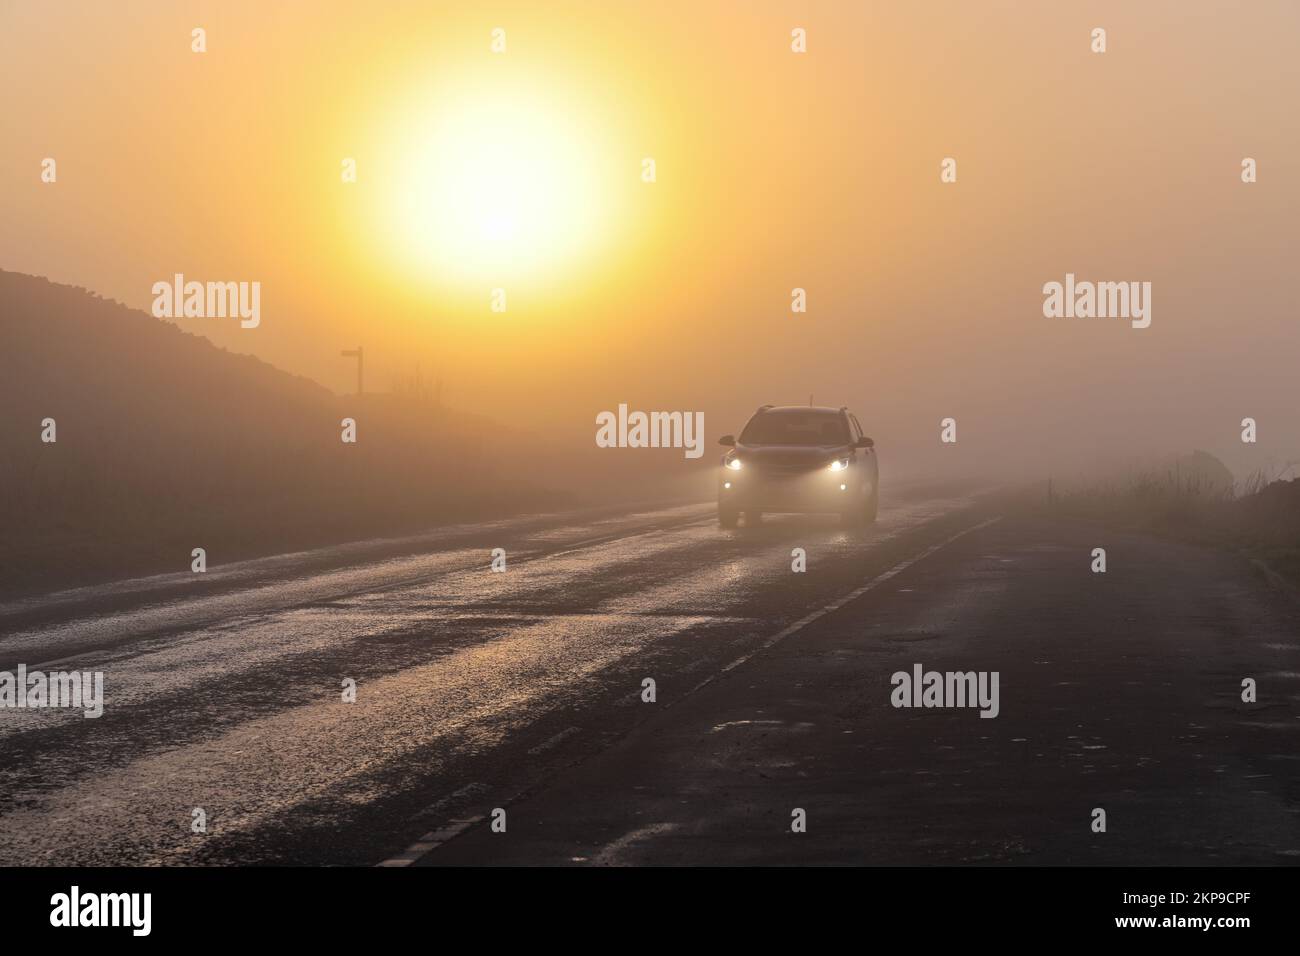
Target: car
{"x":799,"y":458}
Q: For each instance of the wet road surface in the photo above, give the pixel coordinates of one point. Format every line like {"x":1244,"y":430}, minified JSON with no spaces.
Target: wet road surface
{"x":523,"y":690}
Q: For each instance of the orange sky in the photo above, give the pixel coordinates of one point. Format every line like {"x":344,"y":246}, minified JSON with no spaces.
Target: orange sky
{"x":775,"y":170}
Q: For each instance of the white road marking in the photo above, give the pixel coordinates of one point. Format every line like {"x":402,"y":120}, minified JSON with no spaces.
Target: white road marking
{"x":431,"y":841}
{"x":838,"y":603}
{"x":552,"y":741}
{"x":608,"y":856}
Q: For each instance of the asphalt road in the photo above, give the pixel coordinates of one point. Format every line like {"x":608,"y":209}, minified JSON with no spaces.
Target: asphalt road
{"x":523,"y":690}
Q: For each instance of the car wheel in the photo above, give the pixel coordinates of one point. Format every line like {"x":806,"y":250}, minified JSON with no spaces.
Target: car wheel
{"x":728,"y":517}
{"x":864,"y":513}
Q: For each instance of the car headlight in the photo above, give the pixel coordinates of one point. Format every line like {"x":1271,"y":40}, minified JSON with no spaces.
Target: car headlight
{"x":840,"y":464}
{"x":734,"y":464}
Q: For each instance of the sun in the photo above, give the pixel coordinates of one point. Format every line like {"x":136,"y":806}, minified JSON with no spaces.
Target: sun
{"x":496,"y":186}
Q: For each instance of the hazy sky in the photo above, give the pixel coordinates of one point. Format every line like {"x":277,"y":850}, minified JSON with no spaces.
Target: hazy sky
{"x":522,"y":170}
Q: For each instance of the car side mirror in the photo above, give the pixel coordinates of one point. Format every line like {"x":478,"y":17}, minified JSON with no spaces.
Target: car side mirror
{"x":864,"y":442}
{"x":727,"y":440}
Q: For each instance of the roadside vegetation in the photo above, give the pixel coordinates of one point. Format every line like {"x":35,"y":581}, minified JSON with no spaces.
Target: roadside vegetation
{"x":1195,"y":498}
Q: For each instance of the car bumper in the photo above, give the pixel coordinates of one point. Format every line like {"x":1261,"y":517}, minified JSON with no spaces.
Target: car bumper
{"x":816,"y":491}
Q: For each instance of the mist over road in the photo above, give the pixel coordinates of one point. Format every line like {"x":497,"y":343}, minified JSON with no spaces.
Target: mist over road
{"x":523,"y":690}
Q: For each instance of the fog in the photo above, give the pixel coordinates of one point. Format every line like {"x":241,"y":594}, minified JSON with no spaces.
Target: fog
{"x":774,"y":171}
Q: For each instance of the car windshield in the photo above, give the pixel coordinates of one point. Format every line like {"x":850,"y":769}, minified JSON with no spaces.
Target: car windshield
{"x":796,"y":428}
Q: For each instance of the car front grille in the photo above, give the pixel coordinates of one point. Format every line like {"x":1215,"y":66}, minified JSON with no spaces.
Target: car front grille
{"x":783,"y":470}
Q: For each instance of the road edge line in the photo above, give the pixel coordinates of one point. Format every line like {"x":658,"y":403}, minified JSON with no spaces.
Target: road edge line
{"x":839,"y":602}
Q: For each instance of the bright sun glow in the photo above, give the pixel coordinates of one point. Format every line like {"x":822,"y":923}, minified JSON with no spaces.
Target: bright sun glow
{"x":494,"y":188}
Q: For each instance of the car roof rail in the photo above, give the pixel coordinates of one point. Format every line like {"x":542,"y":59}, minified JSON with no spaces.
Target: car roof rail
{"x":763,"y":408}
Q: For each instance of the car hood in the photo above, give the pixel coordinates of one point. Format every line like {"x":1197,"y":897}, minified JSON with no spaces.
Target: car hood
{"x":791,"y":456}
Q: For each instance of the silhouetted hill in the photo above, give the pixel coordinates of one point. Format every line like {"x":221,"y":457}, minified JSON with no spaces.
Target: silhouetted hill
{"x":167,"y":442}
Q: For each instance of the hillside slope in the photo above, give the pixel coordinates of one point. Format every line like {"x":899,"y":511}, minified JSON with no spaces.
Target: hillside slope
{"x":167,"y":442}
